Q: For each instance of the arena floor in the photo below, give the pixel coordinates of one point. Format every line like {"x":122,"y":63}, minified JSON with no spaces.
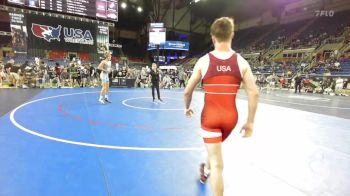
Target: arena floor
{"x":63,"y":142}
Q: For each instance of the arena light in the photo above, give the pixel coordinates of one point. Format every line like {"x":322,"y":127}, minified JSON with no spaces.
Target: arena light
{"x":194,"y":1}
{"x":123,"y":5}
{"x":139,"y":9}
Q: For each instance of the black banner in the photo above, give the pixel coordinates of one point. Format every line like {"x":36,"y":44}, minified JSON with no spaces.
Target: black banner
{"x":50,"y":33}
{"x":19,"y":32}
{"x":102,"y":38}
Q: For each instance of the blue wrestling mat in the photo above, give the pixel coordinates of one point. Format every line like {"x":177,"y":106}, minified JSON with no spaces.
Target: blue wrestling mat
{"x":64,"y":142}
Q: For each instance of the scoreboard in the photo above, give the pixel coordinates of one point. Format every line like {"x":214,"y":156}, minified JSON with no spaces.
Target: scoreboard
{"x":157,"y":33}
{"x":105,"y":9}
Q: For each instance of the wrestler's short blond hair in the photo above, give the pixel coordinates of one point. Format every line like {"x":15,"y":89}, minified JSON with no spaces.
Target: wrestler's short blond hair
{"x":106,"y":54}
{"x":222,"y":29}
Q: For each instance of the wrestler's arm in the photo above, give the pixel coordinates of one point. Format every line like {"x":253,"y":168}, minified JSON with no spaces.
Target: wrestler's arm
{"x":253,"y":97}
{"x":191,"y":85}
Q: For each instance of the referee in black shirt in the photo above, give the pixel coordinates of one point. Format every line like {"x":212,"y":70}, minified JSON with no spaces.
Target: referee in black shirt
{"x":154,"y":78}
{"x":298,"y":80}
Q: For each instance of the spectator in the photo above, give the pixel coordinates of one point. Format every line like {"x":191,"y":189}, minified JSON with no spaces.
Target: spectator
{"x":84,"y":74}
{"x":337,"y":66}
{"x":58,"y":71}
{"x":272,"y":80}
{"x":182,"y":78}
{"x":298,"y":80}
{"x":346,"y":83}
{"x":65,"y":79}
{"x":124,"y":71}
{"x":339,"y":83}
{"x":49,"y":76}
{"x":144,"y":75}
{"x":73,"y":74}
{"x":93,"y":76}
{"x":2,"y":73}
{"x":282,"y":81}
{"x":167,"y":82}
{"x":261,"y":81}
{"x":13,"y":71}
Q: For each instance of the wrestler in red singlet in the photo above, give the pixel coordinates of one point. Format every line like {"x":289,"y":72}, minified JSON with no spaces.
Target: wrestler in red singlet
{"x":222,"y":72}
{"x":221,"y":83}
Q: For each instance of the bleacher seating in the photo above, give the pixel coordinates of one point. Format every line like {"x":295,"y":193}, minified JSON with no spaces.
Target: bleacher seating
{"x":319,"y":29}
{"x":345,"y":68}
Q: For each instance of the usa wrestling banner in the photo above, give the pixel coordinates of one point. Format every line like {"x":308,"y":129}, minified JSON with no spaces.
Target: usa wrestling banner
{"x":51,"y":33}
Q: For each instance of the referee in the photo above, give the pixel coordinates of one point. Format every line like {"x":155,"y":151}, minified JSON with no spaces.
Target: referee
{"x":154,"y":78}
{"x":297,"y":84}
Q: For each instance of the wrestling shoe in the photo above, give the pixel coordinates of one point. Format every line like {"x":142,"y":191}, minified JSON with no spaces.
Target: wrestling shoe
{"x":203,"y":175}
{"x":102,"y":101}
